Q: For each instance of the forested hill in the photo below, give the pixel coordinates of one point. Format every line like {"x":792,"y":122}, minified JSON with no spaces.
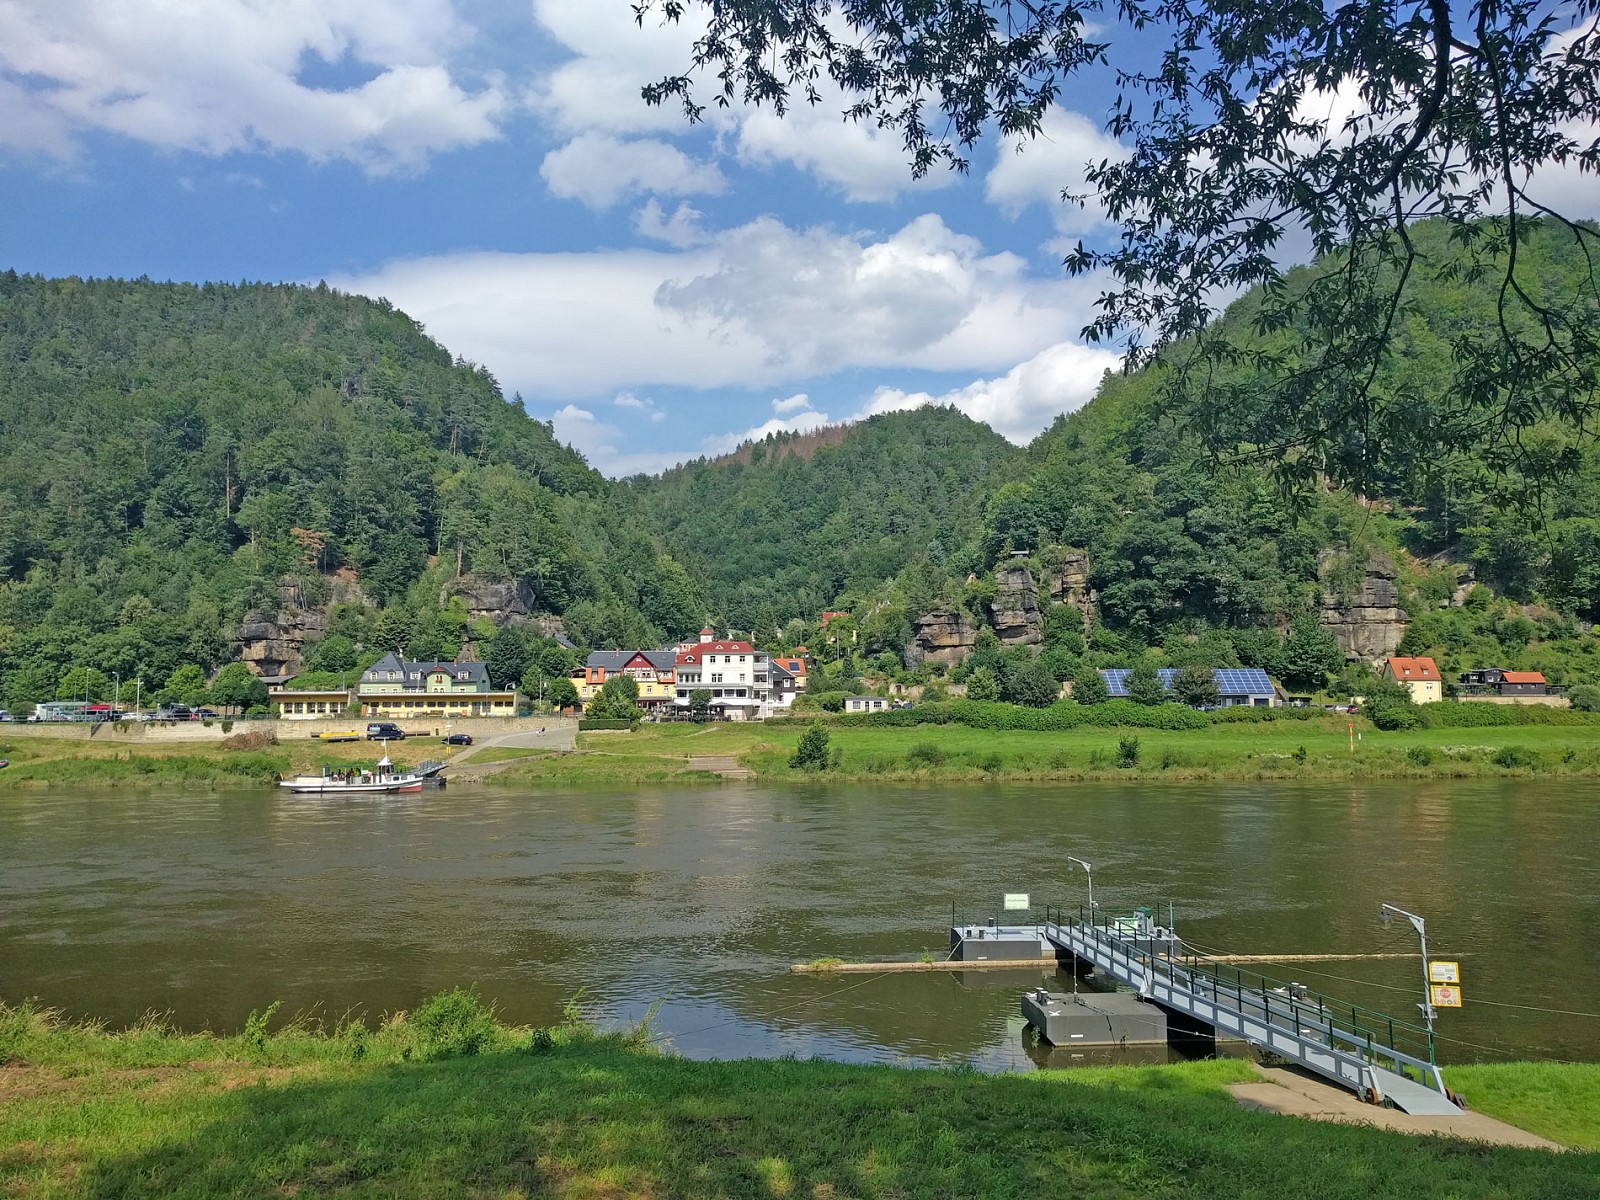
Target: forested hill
{"x":171,"y":452}
{"x":789,"y":527}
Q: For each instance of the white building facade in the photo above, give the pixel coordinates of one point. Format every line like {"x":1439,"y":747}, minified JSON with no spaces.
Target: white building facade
{"x":738,"y":676}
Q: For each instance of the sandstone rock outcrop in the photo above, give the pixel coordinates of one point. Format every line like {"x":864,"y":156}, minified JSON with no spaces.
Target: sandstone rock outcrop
{"x":1014,"y":611}
{"x":273,"y":643}
{"x":1066,"y":578}
{"x":502,"y":601}
{"x":1366,"y":620}
{"x":943,"y":636}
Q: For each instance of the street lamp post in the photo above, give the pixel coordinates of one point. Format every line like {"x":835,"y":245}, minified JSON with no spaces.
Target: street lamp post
{"x":1387,"y":912}
{"x":116,"y":694}
{"x":1089,"y":871}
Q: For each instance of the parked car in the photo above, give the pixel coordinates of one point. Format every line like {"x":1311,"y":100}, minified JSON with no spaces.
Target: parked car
{"x":206,"y":714}
{"x":385,"y":731}
{"x":457,"y":739}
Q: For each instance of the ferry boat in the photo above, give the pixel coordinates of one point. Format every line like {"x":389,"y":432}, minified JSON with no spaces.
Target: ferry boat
{"x":381,"y":779}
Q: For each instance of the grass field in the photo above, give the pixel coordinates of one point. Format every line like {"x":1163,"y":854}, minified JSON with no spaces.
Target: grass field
{"x":445,"y":1103}
{"x":1318,"y":749}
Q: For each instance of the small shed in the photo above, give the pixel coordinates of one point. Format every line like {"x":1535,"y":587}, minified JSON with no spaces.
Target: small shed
{"x":861,"y":704}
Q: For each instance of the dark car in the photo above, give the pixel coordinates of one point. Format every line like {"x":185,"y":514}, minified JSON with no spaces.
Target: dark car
{"x":457,"y":739}
{"x":384,"y":731}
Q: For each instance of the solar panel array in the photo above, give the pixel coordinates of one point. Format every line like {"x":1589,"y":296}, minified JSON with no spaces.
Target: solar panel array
{"x":1231,"y":681}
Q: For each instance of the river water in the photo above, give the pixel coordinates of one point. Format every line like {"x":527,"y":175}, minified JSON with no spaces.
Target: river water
{"x":205,"y":906}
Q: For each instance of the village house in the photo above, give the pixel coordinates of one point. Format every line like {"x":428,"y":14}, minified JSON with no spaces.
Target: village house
{"x":738,"y":676}
{"x":654,"y":671}
{"x":1419,"y":676}
{"x":1497,"y":681}
{"x":398,"y":689}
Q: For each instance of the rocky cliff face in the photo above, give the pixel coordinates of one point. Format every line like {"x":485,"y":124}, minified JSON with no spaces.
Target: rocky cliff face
{"x":273,"y":644}
{"x":500,"y":602}
{"x":942,"y":636}
{"x":1014,"y":611}
{"x":1067,"y":581}
{"x":1367,"y":621}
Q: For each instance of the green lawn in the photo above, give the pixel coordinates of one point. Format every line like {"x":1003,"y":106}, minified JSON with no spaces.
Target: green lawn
{"x":1559,"y":1100}
{"x":361,"y":1112}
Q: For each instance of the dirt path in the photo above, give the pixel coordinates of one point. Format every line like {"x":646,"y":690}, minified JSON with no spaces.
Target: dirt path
{"x":1293,"y":1093}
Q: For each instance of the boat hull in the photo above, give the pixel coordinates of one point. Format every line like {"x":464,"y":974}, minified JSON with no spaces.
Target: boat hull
{"x":333,"y":787}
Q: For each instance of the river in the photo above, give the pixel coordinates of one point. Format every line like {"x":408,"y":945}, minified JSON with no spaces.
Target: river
{"x":205,"y":906}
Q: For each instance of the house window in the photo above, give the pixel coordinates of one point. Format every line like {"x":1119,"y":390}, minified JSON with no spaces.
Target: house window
{"x":717,"y":678}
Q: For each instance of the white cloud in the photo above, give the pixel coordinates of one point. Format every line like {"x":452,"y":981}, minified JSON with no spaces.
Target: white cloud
{"x":642,"y":405}
{"x":757,"y":306}
{"x":855,"y":158}
{"x":214,"y":76}
{"x":600,"y":170}
{"x":791,"y":403}
{"x":1022,"y":402}
{"x":682,"y":229}
{"x":1038,"y":170}
{"x":598,"y":90}
{"x":726,"y":443}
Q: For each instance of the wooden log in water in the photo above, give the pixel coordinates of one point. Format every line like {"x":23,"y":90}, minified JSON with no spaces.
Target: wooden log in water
{"x":824,"y":967}
{"x":982,"y":964}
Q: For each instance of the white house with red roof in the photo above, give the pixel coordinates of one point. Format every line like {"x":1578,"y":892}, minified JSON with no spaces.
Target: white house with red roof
{"x":738,"y":676}
{"x":1420,"y":676}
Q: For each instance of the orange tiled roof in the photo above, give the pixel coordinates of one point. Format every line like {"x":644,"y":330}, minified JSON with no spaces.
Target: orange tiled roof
{"x":1405,"y":669}
{"x":1524,"y":677}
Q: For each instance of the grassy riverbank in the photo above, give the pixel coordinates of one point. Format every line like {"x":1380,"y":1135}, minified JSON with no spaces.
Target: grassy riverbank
{"x":446,"y":1102}
{"x":51,"y":762}
{"x":1315,"y":750}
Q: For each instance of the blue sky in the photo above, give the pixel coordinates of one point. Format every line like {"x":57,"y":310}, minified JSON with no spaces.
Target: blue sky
{"x":658,"y":291}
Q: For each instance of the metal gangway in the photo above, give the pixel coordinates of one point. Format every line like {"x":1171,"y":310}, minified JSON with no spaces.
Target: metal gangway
{"x":1373,"y":1054}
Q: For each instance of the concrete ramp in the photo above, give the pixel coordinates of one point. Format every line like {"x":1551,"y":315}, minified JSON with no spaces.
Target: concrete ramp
{"x":1411,"y":1097}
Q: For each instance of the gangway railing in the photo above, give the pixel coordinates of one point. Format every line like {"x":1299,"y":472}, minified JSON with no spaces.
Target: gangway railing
{"x":1352,"y":1045}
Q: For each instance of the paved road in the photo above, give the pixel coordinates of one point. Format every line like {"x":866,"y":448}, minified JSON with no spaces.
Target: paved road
{"x":558,"y":737}
{"x":1298,"y":1094}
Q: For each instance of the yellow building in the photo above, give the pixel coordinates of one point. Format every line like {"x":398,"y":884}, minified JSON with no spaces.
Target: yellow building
{"x":308,"y":706}
{"x":394,"y":688}
{"x":1419,"y":676}
{"x":652,"y":670}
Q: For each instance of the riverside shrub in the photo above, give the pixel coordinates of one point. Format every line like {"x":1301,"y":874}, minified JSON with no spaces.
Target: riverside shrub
{"x":1060,"y":717}
{"x":453,"y":1024}
{"x":1451,"y":715}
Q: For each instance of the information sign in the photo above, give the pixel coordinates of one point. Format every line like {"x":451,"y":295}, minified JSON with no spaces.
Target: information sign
{"x":1016,"y":900}
{"x":1444,"y":995}
{"x":1444,"y":972}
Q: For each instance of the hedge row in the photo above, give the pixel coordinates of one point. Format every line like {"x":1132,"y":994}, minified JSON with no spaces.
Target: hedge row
{"x":1058,"y":718}
{"x":1448,"y":715}
{"x":588,"y":723}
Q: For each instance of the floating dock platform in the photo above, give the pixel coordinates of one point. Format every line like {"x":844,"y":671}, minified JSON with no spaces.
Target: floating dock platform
{"x":1094,"y":1018}
{"x":989,"y":941}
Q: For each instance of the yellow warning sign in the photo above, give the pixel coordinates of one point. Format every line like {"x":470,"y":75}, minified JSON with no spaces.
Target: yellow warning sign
{"x":1445,"y":995}
{"x":1440,"y":971}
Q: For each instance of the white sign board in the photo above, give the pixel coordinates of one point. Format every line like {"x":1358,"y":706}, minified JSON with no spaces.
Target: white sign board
{"x":1017,"y":900}
{"x":1444,"y":972}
